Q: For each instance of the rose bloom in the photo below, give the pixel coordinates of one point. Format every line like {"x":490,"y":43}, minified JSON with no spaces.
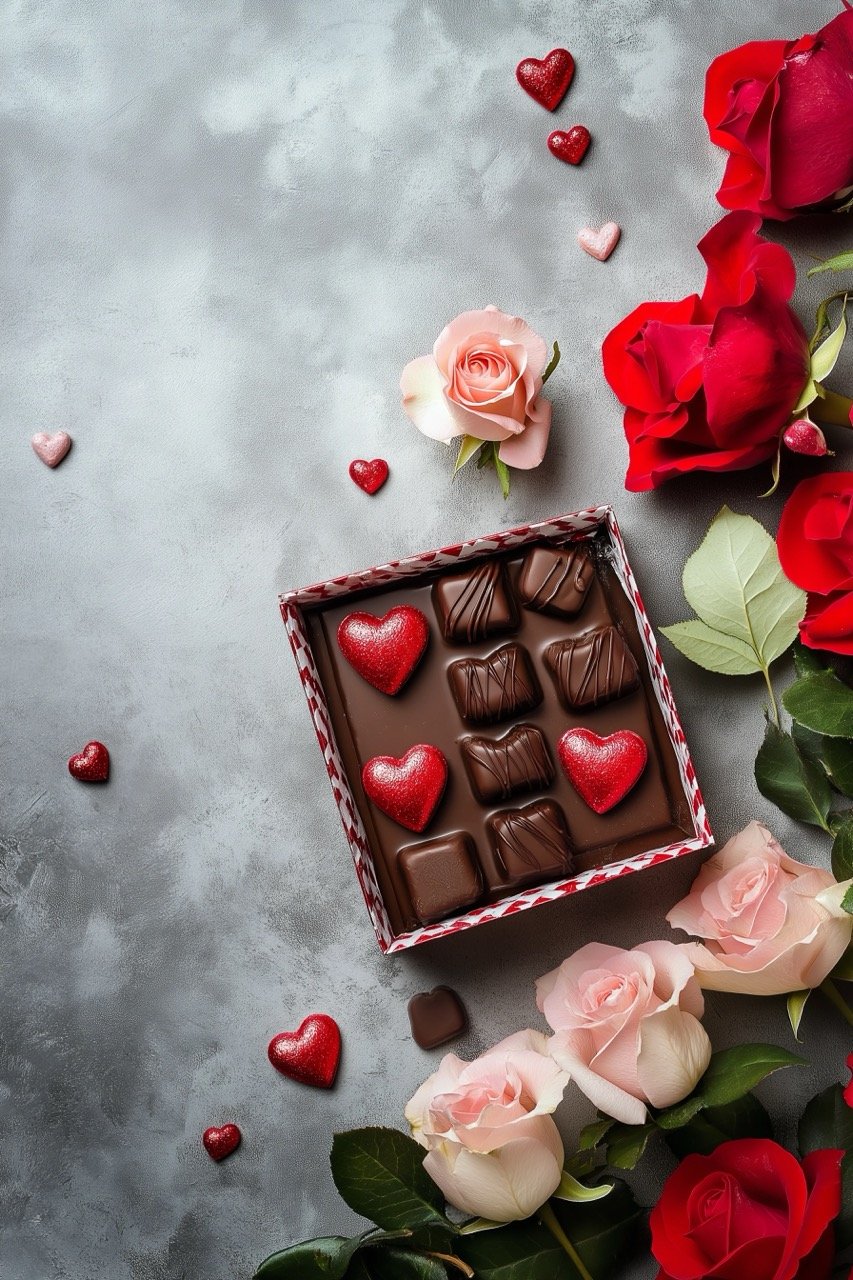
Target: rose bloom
{"x":710,"y":383}
{"x":627,"y":1026}
{"x":748,"y":1211}
{"x":770,"y":925}
{"x":483,"y":379}
{"x":784,"y":112}
{"x":492,"y":1146}
{"x":815,"y":542}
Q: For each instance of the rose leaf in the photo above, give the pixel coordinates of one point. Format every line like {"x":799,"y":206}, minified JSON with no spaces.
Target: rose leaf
{"x":843,"y":971}
{"x":591,"y":1134}
{"x":841,"y":262}
{"x":823,"y":703}
{"x":796,"y":1005}
{"x":806,"y":661}
{"x":713,"y":650}
{"x":827,"y":1122}
{"x":842,"y":850}
{"x":578,"y":1192}
{"x":552,"y":363}
{"x":733,"y":1072}
{"x":468,"y":446}
{"x":837,"y":755}
{"x":825,"y":357}
{"x":380,"y":1174}
{"x":326,"y":1259}
{"x":395,"y":1264}
{"x":743,"y":1118}
{"x":626,"y":1144}
{"x":795,"y":784}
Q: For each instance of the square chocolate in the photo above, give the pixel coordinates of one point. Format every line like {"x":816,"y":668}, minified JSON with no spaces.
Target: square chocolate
{"x":475,"y":605}
{"x":532,"y":845}
{"x":499,"y":768}
{"x":443,"y":876}
{"x":592,"y":669}
{"x":556,"y":579}
{"x":496,"y":687}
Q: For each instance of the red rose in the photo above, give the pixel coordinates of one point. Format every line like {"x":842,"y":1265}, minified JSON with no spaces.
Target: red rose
{"x":709,"y":383}
{"x":748,"y":1211}
{"x":815,"y":542}
{"x":784,"y":112}
{"x":848,"y":1092}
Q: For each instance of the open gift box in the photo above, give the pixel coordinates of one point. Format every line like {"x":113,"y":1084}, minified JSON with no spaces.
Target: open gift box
{"x":661,"y":817}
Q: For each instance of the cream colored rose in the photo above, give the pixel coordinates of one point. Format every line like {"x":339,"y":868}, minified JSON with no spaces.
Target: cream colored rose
{"x":492,"y":1146}
{"x":769,"y":924}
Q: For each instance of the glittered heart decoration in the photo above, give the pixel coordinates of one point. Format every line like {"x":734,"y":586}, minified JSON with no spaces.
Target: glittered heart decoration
{"x":369,"y":476}
{"x":384,"y":651}
{"x":92,"y":764}
{"x":602,"y":770}
{"x":600,"y":244}
{"x":409,"y":789}
{"x":309,"y":1055}
{"x":570,"y":145}
{"x":51,"y":447}
{"x":548,"y":78}
{"x":220,"y":1141}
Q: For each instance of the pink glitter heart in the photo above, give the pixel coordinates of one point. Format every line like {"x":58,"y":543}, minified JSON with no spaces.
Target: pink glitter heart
{"x":51,"y":448}
{"x":600,"y":244}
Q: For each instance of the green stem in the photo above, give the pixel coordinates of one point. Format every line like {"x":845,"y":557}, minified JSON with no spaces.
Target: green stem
{"x":774,"y":706}
{"x":834,"y":996}
{"x":549,"y":1219}
{"x":832,"y":408}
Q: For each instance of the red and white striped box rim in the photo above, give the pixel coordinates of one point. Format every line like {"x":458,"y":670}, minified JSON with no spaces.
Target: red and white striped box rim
{"x":293,"y":605}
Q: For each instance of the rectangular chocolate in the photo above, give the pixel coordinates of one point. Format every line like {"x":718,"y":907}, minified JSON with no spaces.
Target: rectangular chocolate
{"x":532,"y":845}
{"x":499,"y":768}
{"x":497,"y":687}
{"x":592,"y":669}
{"x":442,"y":875}
{"x":556,"y":579}
{"x":474,"y":605}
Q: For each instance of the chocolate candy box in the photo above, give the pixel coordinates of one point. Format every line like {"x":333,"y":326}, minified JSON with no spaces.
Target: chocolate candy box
{"x":532,"y":632}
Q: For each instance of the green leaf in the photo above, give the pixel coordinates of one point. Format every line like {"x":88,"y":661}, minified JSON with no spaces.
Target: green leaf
{"x":591,"y":1134}
{"x":842,"y":850}
{"x":809,"y":743}
{"x":468,"y":446}
{"x":847,"y":901}
{"x":503,"y":474}
{"x":838,"y":762}
{"x":843,"y":971}
{"x":734,"y":1072}
{"x":735,"y":584}
{"x":797,"y":785}
{"x":825,"y":357}
{"x":578,"y":1192}
{"x":713,"y":650}
{"x":626,"y":1144}
{"x":680,"y":1113}
{"x":476,"y":1225}
{"x":823,"y":703}
{"x":552,"y":363}
{"x":743,"y":1118}
{"x":806,"y":661}
{"x":523,"y":1251}
{"x":807,"y":396}
{"x":380,"y":1174}
{"x":395,"y":1264}
{"x":606,"y":1234}
{"x":775,"y":471}
{"x":841,"y":262}
{"x":326,"y":1258}
{"x":796,"y":1004}
{"x":827,"y":1122}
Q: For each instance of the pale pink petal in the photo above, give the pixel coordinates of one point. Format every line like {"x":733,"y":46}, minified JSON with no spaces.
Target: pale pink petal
{"x":505,"y":1187}
{"x":603,"y":1094}
{"x":425,"y":402}
{"x":527,"y":450}
{"x":674,"y":1054}
{"x":491,"y":320}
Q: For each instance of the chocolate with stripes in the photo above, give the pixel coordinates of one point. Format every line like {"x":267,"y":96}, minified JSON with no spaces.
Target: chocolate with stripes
{"x":499,"y":768}
{"x":592,"y":669}
{"x":474,"y":605}
{"x":502,"y":685}
{"x":556,"y":579}
{"x":531,"y":845}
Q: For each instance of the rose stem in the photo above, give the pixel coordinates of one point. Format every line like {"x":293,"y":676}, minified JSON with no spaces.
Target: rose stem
{"x":834,"y":996}
{"x":773,"y":704}
{"x":549,"y":1219}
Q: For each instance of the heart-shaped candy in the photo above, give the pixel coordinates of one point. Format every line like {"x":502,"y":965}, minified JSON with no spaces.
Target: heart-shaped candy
{"x":369,"y":476}
{"x":309,"y":1055}
{"x":548,"y":78}
{"x":409,"y":789}
{"x":600,"y":244}
{"x":220,"y":1140}
{"x":602,"y":770}
{"x":384,"y":651}
{"x":92,"y":764}
{"x":51,"y":447}
{"x":570,"y":145}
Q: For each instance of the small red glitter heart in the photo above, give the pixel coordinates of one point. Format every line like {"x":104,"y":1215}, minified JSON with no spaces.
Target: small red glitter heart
{"x":92,"y":764}
{"x":309,"y":1055}
{"x":602,"y":770}
{"x":547,"y":79}
{"x":220,"y":1141}
{"x":384,"y":651}
{"x":369,"y":476}
{"x":570,"y":145}
{"x":408,"y":789}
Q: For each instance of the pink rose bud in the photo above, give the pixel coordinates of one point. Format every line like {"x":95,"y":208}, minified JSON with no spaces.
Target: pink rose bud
{"x":804,"y":437}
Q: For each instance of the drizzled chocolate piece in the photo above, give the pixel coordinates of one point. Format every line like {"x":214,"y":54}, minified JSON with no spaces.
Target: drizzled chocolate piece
{"x":593,"y":669}
{"x":437,"y":1016}
{"x":499,"y":768}
{"x":490,"y":689}
{"x":531,"y":844}
{"x":443,"y":876}
{"x":475,"y":605}
{"x":556,"y":579}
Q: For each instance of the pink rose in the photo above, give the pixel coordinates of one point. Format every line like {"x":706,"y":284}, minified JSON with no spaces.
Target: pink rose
{"x":627,"y":1025}
{"x":492,"y":1146}
{"x":770,"y":924}
{"x":483,"y":379}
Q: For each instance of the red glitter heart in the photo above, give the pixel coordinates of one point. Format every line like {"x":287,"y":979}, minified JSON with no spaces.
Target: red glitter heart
{"x":570,"y":145}
{"x":92,"y":764}
{"x":384,"y":651}
{"x":602,"y":770}
{"x":547,"y":80}
{"x":409,"y":789}
{"x":369,"y":476}
{"x":309,"y":1055}
{"x":220,"y":1141}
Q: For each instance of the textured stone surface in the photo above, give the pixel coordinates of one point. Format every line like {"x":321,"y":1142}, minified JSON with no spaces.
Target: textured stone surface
{"x":227,"y":225}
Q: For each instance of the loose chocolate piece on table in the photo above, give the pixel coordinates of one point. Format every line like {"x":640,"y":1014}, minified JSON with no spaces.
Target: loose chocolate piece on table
{"x":490,"y":689}
{"x":436,"y":1017}
{"x":475,"y":605}
{"x":592,"y":669}
{"x":532,"y":845}
{"x":443,"y":876}
{"x":499,"y":768}
{"x":556,"y":579}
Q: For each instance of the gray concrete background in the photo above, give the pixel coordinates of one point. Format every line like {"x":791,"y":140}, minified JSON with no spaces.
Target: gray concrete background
{"x":226,"y":227}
